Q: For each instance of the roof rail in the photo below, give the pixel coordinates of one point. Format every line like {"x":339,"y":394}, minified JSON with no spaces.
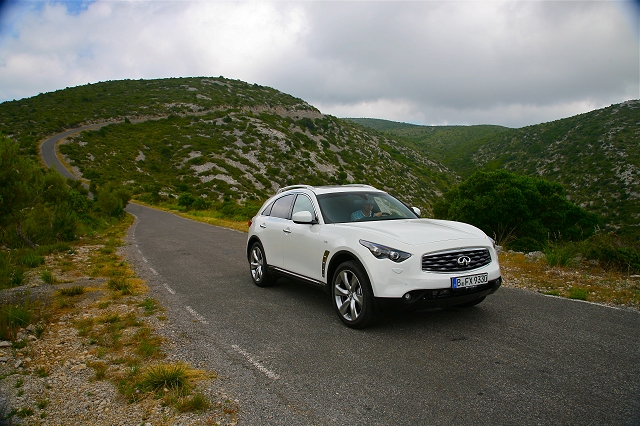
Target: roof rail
{"x":359,"y":185}
{"x":287,"y":188}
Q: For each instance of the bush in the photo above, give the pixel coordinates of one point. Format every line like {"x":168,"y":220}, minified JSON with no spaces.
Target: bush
{"x":186,"y":200}
{"x":518,"y":211}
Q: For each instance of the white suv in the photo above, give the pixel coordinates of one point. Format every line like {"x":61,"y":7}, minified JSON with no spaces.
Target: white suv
{"x":369,"y":250}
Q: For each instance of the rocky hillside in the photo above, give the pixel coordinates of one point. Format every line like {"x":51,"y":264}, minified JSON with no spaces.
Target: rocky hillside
{"x":218,"y":139}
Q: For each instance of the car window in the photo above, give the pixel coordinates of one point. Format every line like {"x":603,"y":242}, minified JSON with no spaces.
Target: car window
{"x":267,"y":210}
{"x":282,"y":206}
{"x":303,"y":204}
{"x":350,"y":207}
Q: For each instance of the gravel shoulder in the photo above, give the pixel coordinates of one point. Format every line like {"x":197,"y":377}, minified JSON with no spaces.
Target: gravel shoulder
{"x":54,"y":373}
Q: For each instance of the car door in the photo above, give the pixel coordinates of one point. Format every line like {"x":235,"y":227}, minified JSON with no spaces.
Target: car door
{"x":301,"y":243}
{"x":272,"y":227}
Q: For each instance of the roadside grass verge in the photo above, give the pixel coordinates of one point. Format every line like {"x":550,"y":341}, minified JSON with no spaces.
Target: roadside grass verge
{"x":114,"y":320}
{"x":574,"y":280}
{"x":212,"y":217}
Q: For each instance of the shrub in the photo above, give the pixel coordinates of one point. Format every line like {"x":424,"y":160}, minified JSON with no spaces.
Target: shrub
{"x":186,"y":200}
{"x":518,"y":211}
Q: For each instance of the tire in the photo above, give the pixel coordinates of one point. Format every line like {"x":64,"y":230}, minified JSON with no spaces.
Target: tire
{"x":472,"y":303}
{"x":352,"y":295}
{"x":258,"y":267}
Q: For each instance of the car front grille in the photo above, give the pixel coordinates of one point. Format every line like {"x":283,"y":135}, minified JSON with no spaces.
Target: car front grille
{"x":456,"y":261}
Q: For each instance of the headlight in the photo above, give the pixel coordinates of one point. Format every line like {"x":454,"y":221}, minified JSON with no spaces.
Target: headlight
{"x":384,"y":252}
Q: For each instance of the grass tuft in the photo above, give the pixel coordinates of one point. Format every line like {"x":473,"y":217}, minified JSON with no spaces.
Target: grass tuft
{"x":196,"y":402}
{"x":47,"y":277}
{"x":120,"y":284}
{"x":165,"y":376}
{"x":72,"y":291}
{"x":578,"y":293}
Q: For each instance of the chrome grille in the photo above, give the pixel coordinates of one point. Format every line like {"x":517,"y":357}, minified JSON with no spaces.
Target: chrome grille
{"x":456,"y":261}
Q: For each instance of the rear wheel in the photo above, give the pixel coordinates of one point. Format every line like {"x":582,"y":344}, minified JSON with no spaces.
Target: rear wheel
{"x":258,"y":267}
{"x":352,"y":295}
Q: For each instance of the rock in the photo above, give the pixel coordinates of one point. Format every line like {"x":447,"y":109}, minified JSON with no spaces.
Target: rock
{"x":535,"y":255}
{"x":4,"y":359}
{"x":5,"y":344}
{"x":18,"y":363}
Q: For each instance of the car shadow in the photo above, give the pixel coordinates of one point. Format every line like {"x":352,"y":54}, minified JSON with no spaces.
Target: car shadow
{"x":317,"y":302}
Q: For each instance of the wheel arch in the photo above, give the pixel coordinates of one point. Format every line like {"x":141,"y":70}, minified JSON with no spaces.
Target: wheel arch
{"x":254,"y":239}
{"x":336,"y":260}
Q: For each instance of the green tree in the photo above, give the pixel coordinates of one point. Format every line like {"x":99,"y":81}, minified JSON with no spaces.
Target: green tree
{"x":518,"y":211}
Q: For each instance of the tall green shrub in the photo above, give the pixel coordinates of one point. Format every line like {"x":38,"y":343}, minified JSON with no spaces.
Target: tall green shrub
{"x":522,"y":212}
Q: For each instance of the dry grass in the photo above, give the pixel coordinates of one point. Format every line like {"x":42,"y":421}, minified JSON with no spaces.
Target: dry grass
{"x":583,"y":281}
{"x":114,"y":318}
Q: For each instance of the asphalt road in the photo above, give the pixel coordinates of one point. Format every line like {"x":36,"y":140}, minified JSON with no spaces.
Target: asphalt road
{"x":518,"y":358}
{"x":47,"y":148}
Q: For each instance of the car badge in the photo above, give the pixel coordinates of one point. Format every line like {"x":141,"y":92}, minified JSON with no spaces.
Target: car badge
{"x":464,"y":260}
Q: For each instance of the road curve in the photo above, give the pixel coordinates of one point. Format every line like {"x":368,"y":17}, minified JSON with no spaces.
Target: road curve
{"x":48,"y":148}
{"x":518,"y":358}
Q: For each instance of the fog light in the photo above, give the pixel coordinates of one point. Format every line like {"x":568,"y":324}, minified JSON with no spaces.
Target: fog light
{"x":407,"y":297}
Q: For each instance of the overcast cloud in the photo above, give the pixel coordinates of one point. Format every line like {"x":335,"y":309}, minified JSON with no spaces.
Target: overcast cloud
{"x":512,"y":63}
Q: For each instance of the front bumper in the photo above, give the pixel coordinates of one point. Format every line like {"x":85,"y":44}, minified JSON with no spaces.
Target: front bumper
{"x":440,"y":298}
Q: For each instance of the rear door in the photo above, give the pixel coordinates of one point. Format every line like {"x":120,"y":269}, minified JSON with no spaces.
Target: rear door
{"x":272,"y":227}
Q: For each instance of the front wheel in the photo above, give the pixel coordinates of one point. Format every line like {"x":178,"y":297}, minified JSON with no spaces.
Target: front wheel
{"x":352,"y":295}
{"x":258,"y":267}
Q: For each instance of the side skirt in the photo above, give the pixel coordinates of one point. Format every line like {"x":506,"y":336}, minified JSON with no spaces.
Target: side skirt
{"x":295,"y":276}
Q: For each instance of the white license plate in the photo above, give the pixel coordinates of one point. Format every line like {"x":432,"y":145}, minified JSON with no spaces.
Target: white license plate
{"x":469,"y":281}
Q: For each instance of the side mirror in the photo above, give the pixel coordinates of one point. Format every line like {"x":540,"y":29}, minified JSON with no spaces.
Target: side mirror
{"x":303,"y":217}
{"x":416,"y":211}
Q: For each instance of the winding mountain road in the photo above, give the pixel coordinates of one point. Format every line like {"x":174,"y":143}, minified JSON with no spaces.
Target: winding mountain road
{"x":518,"y":358}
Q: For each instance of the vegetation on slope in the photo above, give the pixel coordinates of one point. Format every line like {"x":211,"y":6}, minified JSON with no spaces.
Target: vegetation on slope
{"x":29,"y":120}
{"x":40,"y":212}
{"x":437,"y":142}
{"x":594,"y":156}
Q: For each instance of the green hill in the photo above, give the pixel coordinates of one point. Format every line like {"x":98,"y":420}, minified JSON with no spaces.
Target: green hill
{"x":595,"y":156}
{"x":217,"y":139}
{"x":226,"y":139}
{"x":437,"y":142}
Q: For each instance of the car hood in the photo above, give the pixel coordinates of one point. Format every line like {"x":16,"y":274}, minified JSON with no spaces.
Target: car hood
{"x":418,"y":231}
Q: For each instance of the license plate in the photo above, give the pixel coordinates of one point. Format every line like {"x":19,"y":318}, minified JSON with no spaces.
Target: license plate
{"x":469,"y":281}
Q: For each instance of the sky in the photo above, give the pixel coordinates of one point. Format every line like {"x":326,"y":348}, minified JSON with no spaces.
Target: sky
{"x":512,"y":63}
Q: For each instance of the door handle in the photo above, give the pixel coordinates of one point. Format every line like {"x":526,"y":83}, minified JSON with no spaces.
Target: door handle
{"x":286,"y":230}
{"x":262,"y":225}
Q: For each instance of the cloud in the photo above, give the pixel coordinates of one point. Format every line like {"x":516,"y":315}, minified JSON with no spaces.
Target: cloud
{"x":431,"y":62}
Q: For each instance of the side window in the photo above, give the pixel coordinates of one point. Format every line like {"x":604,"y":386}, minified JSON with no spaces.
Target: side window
{"x":282,"y":206}
{"x":267,"y":210}
{"x":303,"y":203}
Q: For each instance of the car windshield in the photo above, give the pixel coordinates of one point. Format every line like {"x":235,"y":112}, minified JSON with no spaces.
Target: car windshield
{"x":345,"y":207}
